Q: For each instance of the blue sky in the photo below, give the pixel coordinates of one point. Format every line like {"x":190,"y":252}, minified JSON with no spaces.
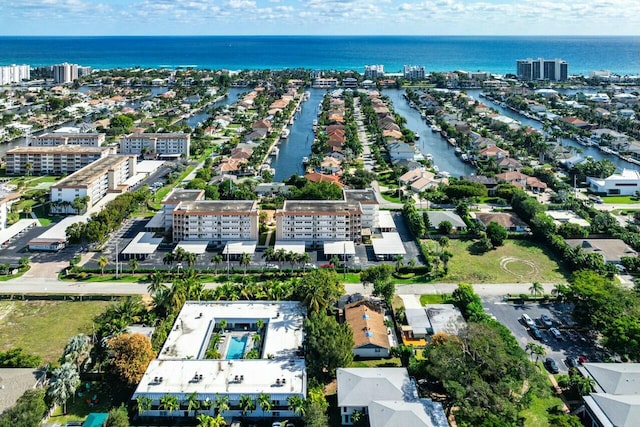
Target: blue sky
{"x":322,"y":17}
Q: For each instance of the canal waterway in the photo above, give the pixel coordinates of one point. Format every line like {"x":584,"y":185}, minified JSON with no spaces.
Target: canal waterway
{"x":430,"y":142}
{"x":583,"y":151}
{"x":291,"y":150}
{"x":232,"y":96}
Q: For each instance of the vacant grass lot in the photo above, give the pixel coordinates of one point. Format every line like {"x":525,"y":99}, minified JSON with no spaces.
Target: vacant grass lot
{"x":518,"y":261}
{"x":620,"y":200}
{"x":44,"y":327}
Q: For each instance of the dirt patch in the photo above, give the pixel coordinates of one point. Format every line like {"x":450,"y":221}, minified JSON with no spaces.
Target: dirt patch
{"x":5,"y":309}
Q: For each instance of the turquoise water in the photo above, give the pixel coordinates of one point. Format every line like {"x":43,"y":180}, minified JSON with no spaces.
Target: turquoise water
{"x":437,"y":53}
{"x":237,"y":345}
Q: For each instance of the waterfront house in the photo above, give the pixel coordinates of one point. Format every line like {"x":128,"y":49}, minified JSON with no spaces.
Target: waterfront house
{"x":493,"y":151}
{"x":330,"y":165}
{"x":489,"y":182}
{"x":625,"y":183}
{"x":509,"y":164}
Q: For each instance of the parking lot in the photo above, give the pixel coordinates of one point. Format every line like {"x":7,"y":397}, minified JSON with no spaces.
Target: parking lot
{"x":573,"y":343}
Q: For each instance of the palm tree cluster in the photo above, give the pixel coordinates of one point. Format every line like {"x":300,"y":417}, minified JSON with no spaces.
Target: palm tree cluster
{"x":281,"y":256}
{"x":66,"y":379}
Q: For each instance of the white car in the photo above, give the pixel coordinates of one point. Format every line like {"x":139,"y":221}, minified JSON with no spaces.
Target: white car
{"x":528,"y":320}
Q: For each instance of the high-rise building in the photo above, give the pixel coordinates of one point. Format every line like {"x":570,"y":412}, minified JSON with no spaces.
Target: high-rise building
{"x":14,"y":74}
{"x":373,"y":71}
{"x":65,"y":73}
{"x":542,"y":69}
{"x":414,"y":72}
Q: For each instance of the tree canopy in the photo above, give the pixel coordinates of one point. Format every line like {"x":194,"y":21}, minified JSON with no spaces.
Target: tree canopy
{"x":131,"y":356}
{"x":328,"y":344}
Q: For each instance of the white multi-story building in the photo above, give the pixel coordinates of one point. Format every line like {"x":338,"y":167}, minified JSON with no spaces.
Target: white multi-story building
{"x":373,"y":71}
{"x":626,"y":183}
{"x":216,"y":221}
{"x":365,"y":201}
{"x":68,"y":138}
{"x":10,"y":74}
{"x":542,"y":69}
{"x":107,"y":175}
{"x":58,"y":160}
{"x":414,"y":72}
{"x":163,"y":144}
{"x":6,"y":200}
{"x":65,"y":73}
{"x":187,"y":364}
{"x":163,"y":220}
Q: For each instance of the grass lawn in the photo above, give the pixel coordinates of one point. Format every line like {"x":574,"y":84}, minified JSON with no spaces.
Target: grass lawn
{"x":536,"y":414}
{"x":392,"y":199}
{"x":517,"y":261}
{"x":620,"y":200}
{"x":435,"y":299}
{"x":44,"y":327}
{"x":78,"y":408}
{"x":376,"y":363}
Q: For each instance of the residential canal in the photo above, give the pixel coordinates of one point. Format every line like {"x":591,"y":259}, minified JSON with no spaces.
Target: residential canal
{"x":430,"y":142}
{"x":583,"y":151}
{"x":232,"y":96}
{"x":298,"y":145}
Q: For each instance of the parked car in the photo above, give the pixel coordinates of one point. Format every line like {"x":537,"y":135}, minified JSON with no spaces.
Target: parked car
{"x":551,"y":365}
{"x":535,"y":333}
{"x":272,"y":267}
{"x":571,"y":362}
{"x":546,"y":320}
{"x":582,"y":359}
{"x":528,"y":320}
{"x":556,"y":334}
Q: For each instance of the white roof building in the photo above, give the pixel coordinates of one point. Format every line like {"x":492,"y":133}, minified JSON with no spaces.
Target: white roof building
{"x":184,"y":365}
{"x":625,"y":183}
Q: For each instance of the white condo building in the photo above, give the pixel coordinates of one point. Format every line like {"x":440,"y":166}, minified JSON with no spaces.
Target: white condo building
{"x":57,"y":160}
{"x":373,"y":71}
{"x":107,"y":175}
{"x":414,"y":72}
{"x":542,"y":69}
{"x":163,"y":144}
{"x":625,"y":183}
{"x":216,"y":221}
{"x":68,"y":138}
{"x":10,"y":74}
{"x":65,"y":73}
{"x":208,"y":357}
{"x":6,"y":200}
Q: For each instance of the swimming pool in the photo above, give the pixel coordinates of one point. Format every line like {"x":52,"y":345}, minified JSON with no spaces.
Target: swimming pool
{"x":236,"y":347}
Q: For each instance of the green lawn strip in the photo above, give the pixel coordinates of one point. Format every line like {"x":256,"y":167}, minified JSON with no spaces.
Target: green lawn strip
{"x":44,"y":327}
{"x":620,"y":200}
{"x":374,"y":363}
{"x":78,"y":408}
{"x":435,"y":299}
{"x":391,"y":199}
{"x":517,"y":261}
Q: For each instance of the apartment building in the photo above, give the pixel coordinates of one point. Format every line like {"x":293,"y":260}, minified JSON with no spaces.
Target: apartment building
{"x":216,"y":221}
{"x":10,"y":74}
{"x":163,"y":220}
{"x":65,"y":73}
{"x":162,"y":144}
{"x":542,"y":69}
{"x":107,"y":175}
{"x":68,"y":138}
{"x":373,"y":71}
{"x":318,"y":221}
{"x":58,"y":160}
{"x":414,"y":72}
{"x":6,"y":200}
{"x":366,"y":202}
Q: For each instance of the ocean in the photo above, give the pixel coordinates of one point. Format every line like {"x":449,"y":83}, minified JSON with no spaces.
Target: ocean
{"x":437,"y":53}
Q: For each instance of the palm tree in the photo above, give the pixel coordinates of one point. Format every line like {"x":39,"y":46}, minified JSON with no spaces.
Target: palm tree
{"x":143,"y":403}
{"x":304,"y":259}
{"x":536,"y":288}
{"x":280,"y":256}
{"x":297,"y":404}
{"x":169,"y":402}
{"x":259,"y":324}
{"x":193,"y":403}
{"x":217,"y":260}
{"x":156,"y":282}
{"x":399,"y":260}
{"x":65,"y":380}
{"x":191,"y":259}
{"x":264,"y":400}
{"x":77,"y":350}
{"x":102,"y":263}
{"x":584,"y":385}
{"x":247,"y":404}
{"x":268,"y":254}
{"x":245,"y":260}
{"x":292,"y":257}
{"x":209,"y":421}
{"x":168,"y":259}
{"x":222,"y":404}
{"x":133,"y":264}
{"x":28,"y":168}
{"x":335,"y":261}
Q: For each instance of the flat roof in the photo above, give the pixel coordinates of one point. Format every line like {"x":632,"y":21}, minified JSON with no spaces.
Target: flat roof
{"x":17,"y":228}
{"x":238,"y":248}
{"x":385,"y":220}
{"x":58,"y":231}
{"x":418,"y":320}
{"x":156,"y":222}
{"x":143,"y":243}
{"x":313,"y":206}
{"x":366,"y":196}
{"x":84,"y":176}
{"x":156,"y":135}
{"x":149,"y":166}
{"x":341,"y":247}
{"x":182,"y":355}
{"x":389,"y":244}
{"x":220,"y":206}
{"x":182,"y":195}
{"x":445,"y":318}
{"x":290,"y":246}
{"x":197,"y":247}
{"x":58,"y":149}
{"x":567,"y":216}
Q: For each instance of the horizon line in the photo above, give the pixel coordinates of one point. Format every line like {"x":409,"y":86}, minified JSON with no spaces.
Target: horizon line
{"x":317,"y":35}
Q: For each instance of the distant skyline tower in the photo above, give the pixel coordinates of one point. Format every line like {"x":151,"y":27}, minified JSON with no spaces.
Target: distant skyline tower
{"x":65,"y":73}
{"x":542,"y":69}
